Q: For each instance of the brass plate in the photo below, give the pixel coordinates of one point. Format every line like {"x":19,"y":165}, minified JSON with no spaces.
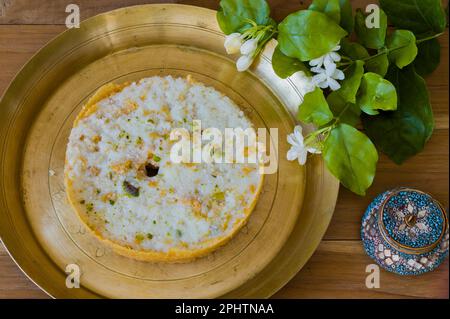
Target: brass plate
{"x":42,"y":233}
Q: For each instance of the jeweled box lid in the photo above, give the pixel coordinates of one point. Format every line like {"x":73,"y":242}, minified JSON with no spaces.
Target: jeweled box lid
{"x":412,"y":221}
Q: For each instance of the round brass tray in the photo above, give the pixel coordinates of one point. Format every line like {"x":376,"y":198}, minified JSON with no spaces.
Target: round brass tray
{"x":42,"y":233}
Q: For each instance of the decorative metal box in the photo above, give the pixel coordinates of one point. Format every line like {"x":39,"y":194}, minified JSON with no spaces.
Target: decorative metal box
{"x":405,"y":231}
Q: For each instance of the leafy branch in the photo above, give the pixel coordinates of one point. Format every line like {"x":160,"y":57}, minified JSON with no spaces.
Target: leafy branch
{"x":385,"y":51}
{"x":375,"y":81}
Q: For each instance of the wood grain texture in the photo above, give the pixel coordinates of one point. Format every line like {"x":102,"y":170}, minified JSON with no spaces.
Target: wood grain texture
{"x":337,"y":269}
{"x":53,"y":12}
{"x":13,"y":283}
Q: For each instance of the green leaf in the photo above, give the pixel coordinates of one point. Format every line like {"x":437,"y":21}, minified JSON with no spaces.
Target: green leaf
{"x":346,"y":15}
{"x":419,"y":16}
{"x":373,"y":38}
{"x":351,"y":157}
{"x":379,"y":65}
{"x":376,"y":94}
{"x":428,"y":57}
{"x":353,"y":50}
{"x":233,"y":15}
{"x":402,"y":46}
{"x":330,"y":7}
{"x":350,"y":85}
{"x":314,"y":109}
{"x":285,"y":66}
{"x":347,"y":112}
{"x":403,"y":133}
{"x":308,"y":34}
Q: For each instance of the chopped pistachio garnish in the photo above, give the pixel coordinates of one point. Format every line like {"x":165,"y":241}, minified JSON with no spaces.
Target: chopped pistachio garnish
{"x":219,"y":195}
{"x":156,"y":158}
{"x":139,"y":237}
{"x":122,"y":134}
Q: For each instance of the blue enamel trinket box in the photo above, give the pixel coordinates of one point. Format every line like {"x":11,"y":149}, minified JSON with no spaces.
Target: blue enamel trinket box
{"x":405,"y":231}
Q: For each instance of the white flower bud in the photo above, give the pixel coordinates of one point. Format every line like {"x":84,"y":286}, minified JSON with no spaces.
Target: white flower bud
{"x":244,"y":62}
{"x":249,"y":47}
{"x":233,"y":43}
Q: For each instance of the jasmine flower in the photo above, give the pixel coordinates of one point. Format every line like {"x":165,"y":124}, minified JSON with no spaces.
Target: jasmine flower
{"x":327,"y":60}
{"x":244,"y":62}
{"x":249,"y":47}
{"x":327,"y":78}
{"x":299,"y":150}
{"x":233,"y":43}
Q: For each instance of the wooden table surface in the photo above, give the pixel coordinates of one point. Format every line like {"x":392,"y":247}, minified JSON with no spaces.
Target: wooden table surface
{"x":337,"y":268}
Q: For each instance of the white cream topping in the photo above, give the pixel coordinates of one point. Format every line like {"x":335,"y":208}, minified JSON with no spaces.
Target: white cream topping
{"x":184,"y":205}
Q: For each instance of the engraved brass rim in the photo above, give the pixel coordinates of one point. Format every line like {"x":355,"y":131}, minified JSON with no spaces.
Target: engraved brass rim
{"x":39,"y":230}
{"x":400,"y":246}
